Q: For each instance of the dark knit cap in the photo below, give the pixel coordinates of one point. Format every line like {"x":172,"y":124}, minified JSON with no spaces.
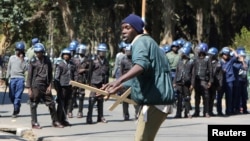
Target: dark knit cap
{"x":135,"y":21}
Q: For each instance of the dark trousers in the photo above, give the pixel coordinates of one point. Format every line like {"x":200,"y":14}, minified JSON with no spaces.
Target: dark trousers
{"x":95,"y":98}
{"x":212,"y":96}
{"x":201,"y":90}
{"x":243,"y":96}
{"x":79,"y":94}
{"x":183,"y":100}
{"x":64,"y":96}
{"x":38,"y":93}
{"x":227,"y":88}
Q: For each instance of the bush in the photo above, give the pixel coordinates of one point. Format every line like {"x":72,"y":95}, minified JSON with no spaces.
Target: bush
{"x":242,"y":39}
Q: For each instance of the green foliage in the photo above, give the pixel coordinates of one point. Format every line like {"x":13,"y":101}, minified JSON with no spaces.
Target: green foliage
{"x":242,"y":39}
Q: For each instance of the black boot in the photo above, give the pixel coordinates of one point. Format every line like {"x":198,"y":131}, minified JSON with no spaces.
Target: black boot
{"x":33,"y":112}
{"x":179,"y":106}
{"x":81,"y":100}
{"x":100,"y":117}
{"x":125,"y":108}
{"x":90,"y":110}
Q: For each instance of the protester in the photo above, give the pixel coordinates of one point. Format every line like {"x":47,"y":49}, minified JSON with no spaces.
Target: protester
{"x":148,"y":63}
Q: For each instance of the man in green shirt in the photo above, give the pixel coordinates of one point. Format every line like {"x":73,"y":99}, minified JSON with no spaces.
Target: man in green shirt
{"x":146,"y":79}
{"x":30,"y":52}
{"x":173,"y":57}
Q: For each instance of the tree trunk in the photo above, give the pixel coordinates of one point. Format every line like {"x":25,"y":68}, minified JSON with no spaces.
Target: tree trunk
{"x":67,"y":18}
{"x":215,"y":32}
{"x":168,"y":8}
{"x":5,"y":39}
{"x":199,"y":23}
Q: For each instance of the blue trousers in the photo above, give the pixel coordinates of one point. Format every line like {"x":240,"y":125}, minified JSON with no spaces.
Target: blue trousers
{"x":16,"y":88}
{"x":227,"y":88}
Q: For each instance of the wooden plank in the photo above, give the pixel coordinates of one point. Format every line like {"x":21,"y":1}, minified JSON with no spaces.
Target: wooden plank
{"x":119,"y":100}
{"x":102,"y":92}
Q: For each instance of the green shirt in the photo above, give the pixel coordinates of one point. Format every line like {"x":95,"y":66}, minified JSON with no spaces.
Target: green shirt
{"x":150,"y":83}
{"x":173,"y":59}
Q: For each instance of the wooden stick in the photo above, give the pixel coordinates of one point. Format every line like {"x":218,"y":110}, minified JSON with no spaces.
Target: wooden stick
{"x":119,"y":100}
{"x":93,"y":89}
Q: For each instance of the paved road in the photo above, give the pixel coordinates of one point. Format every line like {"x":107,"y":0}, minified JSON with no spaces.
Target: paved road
{"x":194,"y":129}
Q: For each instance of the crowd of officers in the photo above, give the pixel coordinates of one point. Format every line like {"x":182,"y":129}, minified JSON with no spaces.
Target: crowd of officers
{"x":206,"y":71}
{"x":210,"y":74}
{"x":42,"y":75}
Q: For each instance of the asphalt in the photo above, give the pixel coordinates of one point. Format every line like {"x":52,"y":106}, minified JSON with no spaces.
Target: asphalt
{"x":19,"y":129}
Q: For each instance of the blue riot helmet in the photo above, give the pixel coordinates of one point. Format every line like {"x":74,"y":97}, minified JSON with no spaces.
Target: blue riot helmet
{"x":241,"y":48}
{"x":66,"y":51}
{"x":181,"y":42}
{"x":166,"y":48}
{"x":20,"y":46}
{"x":186,"y":50}
{"x":213,"y":51}
{"x":128,"y":50}
{"x":241,"y":52}
{"x":34,"y":41}
{"x":122,"y":44}
{"x":39,"y":47}
{"x":225,"y":50}
{"x":81,"y":49}
{"x":202,"y":48}
{"x":73,"y":45}
{"x":102,"y":47}
{"x":188,"y":45}
{"x":174,"y":44}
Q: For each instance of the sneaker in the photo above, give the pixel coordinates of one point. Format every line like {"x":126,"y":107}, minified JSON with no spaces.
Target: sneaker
{"x":36,"y":126}
{"x":57,"y":124}
{"x":206,"y":115}
{"x":103,"y":120}
{"x":15,"y":113}
{"x":70,"y":115}
{"x":80,"y":115}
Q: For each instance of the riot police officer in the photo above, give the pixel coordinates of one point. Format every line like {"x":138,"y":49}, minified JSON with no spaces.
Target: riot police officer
{"x":65,"y":72}
{"x":74,"y":59}
{"x":217,"y":77}
{"x":116,"y":73}
{"x":100,"y":76}
{"x":202,"y":80}
{"x":30,"y":52}
{"x":82,"y":66}
{"x":182,"y":82}
{"x":173,"y":57}
{"x":39,"y":83}
{"x":126,"y":65}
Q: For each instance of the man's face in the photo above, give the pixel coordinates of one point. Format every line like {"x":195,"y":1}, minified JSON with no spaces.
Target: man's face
{"x":39,"y":54}
{"x":66,"y":57}
{"x":128,"y":33}
{"x":102,"y":54}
